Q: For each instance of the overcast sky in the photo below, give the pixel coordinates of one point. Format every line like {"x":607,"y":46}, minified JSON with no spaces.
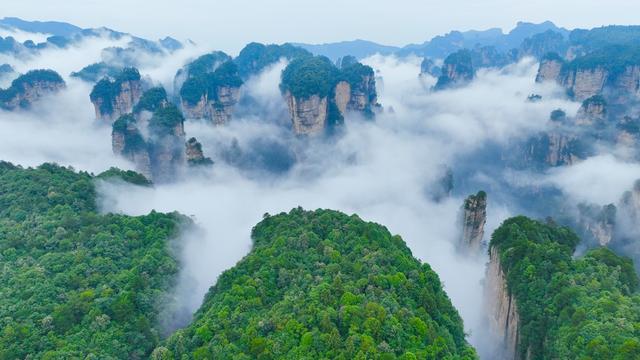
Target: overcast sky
{"x":229,"y":24}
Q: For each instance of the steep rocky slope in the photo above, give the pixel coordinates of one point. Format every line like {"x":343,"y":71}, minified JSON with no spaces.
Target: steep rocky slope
{"x":113,"y":98}
{"x":473,"y":218}
{"x":319,"y":95}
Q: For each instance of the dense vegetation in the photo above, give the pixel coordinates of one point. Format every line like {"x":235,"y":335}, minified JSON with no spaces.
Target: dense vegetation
{"x":613,"y":58}
{"x":129,"y":176}
{"x":601,"y":37}
{"x":77,"y":284}
{"x":208,"y":84}
{"x":206,"y":63}
{"x":323,"y":285}
{"x":94,"y":72}
{"x":107,"y":90}
{"x":310,"y":76}
{"x":585,"y":308}
{"x":165,"y":119}
{"x":151,"y":100}
{"x":254,"y":57}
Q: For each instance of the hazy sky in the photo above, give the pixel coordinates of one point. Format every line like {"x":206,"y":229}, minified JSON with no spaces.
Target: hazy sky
{"x":231,"y":23}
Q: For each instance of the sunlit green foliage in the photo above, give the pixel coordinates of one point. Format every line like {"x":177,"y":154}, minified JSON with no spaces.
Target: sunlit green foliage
{"x":324,"y":285}
{"x":77,"y":284}
{"x":585,"y":308}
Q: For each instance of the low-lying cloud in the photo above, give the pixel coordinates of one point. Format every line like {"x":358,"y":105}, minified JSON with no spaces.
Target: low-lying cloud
{"x":383,"y":170}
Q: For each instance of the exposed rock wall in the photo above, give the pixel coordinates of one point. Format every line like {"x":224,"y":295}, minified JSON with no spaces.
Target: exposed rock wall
{"x":168,"y":153}
{"x":549,"y":70}
{"x":195,"y":155}
{"x":309,"y":116}
{"x":364,"y":97}
{"x":343,"y":96}
{"x":127,"y":141}
{"x":501,"y":309}
{"x":585,"y":83}
{"x":474,"y":217}
{"x":217,"y":109}
{"x":127,"y":96}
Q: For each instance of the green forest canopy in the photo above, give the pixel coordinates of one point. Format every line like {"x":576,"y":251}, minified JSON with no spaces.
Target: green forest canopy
{"x":585,"y":308}
{"x":323,"y":285}
{"x":75,"y":283}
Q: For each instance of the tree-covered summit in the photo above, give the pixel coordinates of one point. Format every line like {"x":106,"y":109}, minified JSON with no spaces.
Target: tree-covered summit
{"x":308,"y":76}
{"x":208,"y":84}
{"x":323,"y":285}
{"x":77,"y":284}
{"x":107,"y":89}
{"x":569,"y":308}
{"x":254,"y":57}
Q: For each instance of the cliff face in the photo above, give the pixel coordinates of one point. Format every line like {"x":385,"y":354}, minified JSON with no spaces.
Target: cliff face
{"x":549,"y":70}
{"x":474,"y":217}
{"x":309,"y":116}
{"x":501,"y":309}
{"x":363,"y":96}
{"x":154,"y":141}
{"x":553,"y":148}
{"x":127,"y":141}
{"x":217,"y":109}
{"x":195,"y":155}
{"x":167,"y":153}
{"x":585,"y":83}
{"x":118,"y":98}
{"x":598,"y":222}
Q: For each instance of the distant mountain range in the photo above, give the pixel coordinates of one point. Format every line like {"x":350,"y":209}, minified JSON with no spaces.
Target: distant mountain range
{"x":438,"y":47}
{"x":441,"y":45}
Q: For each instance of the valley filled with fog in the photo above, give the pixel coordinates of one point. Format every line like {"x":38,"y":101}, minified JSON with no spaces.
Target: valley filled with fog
{"x":409,"y":168}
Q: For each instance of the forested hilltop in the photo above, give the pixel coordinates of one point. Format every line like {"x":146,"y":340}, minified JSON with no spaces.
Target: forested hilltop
{"x":569,"y":308}
{"x":323,"y":285}
{"x":77,"y":284}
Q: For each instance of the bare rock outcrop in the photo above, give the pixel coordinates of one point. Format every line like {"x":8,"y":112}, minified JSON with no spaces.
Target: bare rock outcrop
{"x":113,"y":98}
{"x":585,"y":83}
{"x":128,"y":142}
{"x":309,"y":116}
{"x":501,"y":309}
{"x":550,"y":68}
{"x":474,"y":217}
{"x":217,"y":107}
{"x":195,"y":155}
